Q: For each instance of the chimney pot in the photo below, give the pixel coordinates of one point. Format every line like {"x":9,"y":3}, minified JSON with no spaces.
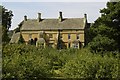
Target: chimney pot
{"x":25,"y":18}
{"x":39,"y":17}
{"x":60,"y":16}
{"x":85,"y":17}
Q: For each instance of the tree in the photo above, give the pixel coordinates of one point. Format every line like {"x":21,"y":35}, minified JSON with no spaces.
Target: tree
{"x":59,"y":43}
{"x":108,"y":24}
{"x":6,"y":23}
{"x":21,"y":40}
{"x":101,"y":44}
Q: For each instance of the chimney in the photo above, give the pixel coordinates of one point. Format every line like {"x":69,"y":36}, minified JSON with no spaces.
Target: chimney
{"x":39,"y":17}
{"x":60,"y":16}
{"x":85,"y":17}
{"x":25,"y":18}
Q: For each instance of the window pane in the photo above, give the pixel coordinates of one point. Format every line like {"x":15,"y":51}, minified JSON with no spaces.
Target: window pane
{"x":68,"y":36}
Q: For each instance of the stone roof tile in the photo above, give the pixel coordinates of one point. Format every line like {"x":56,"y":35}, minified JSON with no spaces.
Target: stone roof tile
{"x":53,"y":24}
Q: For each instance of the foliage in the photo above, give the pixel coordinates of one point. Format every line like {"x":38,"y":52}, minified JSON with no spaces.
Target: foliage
{"x":107,"y":25}
{"x":87,"y":65}
{"x":22,"y":61}
{"x":6,"y":23}
{"x":102,"y":44}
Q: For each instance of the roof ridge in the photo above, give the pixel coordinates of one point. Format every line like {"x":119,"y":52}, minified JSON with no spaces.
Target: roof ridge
{"x":55,"y":18}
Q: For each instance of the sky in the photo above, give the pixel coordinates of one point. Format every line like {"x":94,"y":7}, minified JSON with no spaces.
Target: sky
{"x":51,"y":10}
{"x":54,"y":0}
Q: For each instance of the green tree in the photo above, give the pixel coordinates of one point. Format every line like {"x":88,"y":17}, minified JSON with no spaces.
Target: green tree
{"x":6,"y":22}
{"x":102,"y":44}
{"x":108,"y":24}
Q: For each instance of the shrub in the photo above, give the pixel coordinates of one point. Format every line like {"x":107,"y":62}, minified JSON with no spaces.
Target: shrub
{"x":88,"y":65}
{"x":22,"y":61}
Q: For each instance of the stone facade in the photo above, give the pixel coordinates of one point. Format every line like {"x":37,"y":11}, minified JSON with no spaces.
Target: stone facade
{"x":56,"y":33}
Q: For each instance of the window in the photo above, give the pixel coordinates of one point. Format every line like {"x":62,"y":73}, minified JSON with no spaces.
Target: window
{"x":60,"y":35}
{"x":35,"y":40}
{"x":68,"y":45}
{"x":68,"y":36}
{"x":77,"y":36}
{"x":50,"y":36}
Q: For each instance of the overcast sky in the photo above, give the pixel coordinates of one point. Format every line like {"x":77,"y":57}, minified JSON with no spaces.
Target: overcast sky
{"x":51,"y":9}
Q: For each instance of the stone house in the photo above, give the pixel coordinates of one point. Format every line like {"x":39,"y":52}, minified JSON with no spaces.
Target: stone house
{"x":57,"y":33}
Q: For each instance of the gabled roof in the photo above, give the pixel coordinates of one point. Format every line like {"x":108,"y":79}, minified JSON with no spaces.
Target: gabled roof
{"x":15,"y":38}
{"x":53,"y":24}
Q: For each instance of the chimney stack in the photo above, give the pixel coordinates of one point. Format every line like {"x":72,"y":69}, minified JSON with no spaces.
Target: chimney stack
{"x":85,"y":17}
{"x":39,"y":17}
{"x":25,"y":18}
{"x":60,"y":16}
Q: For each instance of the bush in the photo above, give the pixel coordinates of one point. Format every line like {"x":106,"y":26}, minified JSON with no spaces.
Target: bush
{"x":22,"y":61}
{"x":87,"y":65}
